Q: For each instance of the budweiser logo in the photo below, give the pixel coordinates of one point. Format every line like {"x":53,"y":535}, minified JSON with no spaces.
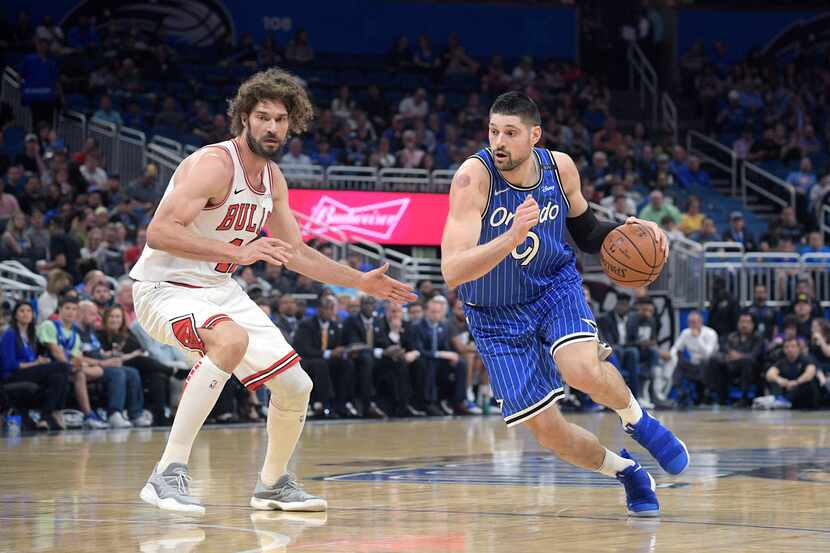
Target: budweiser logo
{"x":377,"y":220}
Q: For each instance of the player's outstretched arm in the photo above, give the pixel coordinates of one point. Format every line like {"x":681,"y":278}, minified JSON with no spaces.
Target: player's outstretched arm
{"x":308,"y":261}
{"x":586,"y":230}
{"x":203,"y":176}
{"x":462,"y":258}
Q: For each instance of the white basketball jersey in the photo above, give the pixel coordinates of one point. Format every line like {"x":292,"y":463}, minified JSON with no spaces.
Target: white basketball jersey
{"x":237,"y":219}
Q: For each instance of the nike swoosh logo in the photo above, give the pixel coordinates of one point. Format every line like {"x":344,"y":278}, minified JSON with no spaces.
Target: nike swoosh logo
{"x":502,"y":191}
{"x":238,"y":191}
{"x":590,"y":323}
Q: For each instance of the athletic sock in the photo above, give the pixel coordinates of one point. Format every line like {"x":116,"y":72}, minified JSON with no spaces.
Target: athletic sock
{"x":632,"y":413}
{"x":613,"y":464}
{"x":204,"y":384}
{"x":284,"y":428}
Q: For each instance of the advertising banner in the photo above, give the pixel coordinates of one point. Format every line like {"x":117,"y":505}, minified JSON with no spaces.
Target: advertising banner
{"x":382,"y":217}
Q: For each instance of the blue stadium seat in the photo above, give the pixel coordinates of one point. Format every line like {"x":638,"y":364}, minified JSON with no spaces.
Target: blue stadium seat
{"x":13,"y":137}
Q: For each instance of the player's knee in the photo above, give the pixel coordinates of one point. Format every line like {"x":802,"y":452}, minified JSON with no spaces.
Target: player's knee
{"x":291,"y":390}
{"x":552,"y":433}
{"x":582,"y":374}
{"x":226,"y":344}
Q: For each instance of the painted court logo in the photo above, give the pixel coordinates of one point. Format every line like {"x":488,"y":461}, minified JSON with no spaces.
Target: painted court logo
{"x":376,"y":220}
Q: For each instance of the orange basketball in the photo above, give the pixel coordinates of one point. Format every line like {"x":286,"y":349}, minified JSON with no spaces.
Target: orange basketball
{"x":630,"y":256}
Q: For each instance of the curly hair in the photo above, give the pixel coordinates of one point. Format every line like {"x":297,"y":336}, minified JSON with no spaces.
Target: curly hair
{"x":272,"y":84}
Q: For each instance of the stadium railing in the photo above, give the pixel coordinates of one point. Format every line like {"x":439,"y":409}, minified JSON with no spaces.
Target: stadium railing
{"x":11,"y":92}
{"x":344,"y":177}
{"x":106,"y":134}
{"x":304,"y":176}
{"x":765,"y":184}
{"x":404,"y":180}
{"x":131,"y":147}
{"x":19,"y":282}
{"x":72,"y":128}
{"x":642,"y":73}
{"x":441,"y":180}
{"x":668,"y":111}
{"x":714,"y":154}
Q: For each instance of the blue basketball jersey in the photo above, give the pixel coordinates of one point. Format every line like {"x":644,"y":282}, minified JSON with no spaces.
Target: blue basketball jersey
{"x":545,"y":260}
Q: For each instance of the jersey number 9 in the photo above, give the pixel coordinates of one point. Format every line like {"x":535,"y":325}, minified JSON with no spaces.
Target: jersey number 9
{"x":528,"y":251}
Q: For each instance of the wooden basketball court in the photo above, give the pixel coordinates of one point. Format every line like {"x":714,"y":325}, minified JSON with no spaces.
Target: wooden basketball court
{"x":758,"y":482}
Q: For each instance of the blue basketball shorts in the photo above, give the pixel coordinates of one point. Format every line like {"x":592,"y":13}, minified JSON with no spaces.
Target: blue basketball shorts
{"x":517,"y":344}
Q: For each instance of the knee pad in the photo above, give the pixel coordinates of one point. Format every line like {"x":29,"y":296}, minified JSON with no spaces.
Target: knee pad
{"x":290,"y":390}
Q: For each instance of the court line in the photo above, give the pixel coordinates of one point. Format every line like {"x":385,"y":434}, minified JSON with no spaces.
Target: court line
{"x":277,"y":540}
{"x":583,"y":517}
{"x":494,"y":514}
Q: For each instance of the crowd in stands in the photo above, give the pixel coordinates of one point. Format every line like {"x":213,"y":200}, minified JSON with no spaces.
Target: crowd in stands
{"x":754,"y":355}
{"x":63,"y":215}
{"x":772,"y":110}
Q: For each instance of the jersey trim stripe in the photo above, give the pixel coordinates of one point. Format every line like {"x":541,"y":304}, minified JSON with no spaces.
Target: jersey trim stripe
{"x":270,"y":179}
{"x":521,"y":188}
{"x":536,"y":408}
{"x":256,"y":380}
{"x":230,"y":183}
{"x":559,"y":178}
{"x":245,"y":173}
{"x":572,"y":339}
{"x":492,"y":183}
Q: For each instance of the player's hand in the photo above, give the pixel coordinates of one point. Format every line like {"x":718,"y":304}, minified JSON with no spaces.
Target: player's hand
{"x":526,"y":216}
{"x":376,"y":283}
{"x":659,"y":234}
{"x":270,"y":250}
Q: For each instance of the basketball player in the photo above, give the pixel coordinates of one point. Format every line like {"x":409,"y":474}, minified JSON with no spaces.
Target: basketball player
{"x":207,"y":224}
{"x":504,"y":248}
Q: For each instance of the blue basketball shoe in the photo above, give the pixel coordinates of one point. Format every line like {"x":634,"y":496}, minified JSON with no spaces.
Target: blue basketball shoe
{"x":666,"y":448}
{"x":639,"y":489}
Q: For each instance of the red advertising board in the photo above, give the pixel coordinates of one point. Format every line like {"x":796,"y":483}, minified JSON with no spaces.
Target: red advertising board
{"x":382,"y":217}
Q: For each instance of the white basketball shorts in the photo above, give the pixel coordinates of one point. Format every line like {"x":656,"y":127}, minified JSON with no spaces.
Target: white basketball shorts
{"x":174,"y":313}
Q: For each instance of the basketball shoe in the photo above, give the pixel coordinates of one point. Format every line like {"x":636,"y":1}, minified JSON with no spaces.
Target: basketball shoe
{"x":170,"y":490}
{"x":666,"y":448}
{"x":285,"y":495}
{"x":639,"y":489}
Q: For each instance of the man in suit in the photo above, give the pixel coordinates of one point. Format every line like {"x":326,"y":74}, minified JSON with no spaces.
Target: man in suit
{"x":286,"y":317}
{"x":641,"y":332}
{"x":438,"y":362}
{"x":737,"y":232}
{"x":367,"y":337}
{"x":394,"y":368}
{"x":319,"y":342}
{"x":613,"y":329}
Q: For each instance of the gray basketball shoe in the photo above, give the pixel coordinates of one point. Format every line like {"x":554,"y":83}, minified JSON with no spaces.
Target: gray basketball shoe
{"x":170,"y":490}
{"x":285,"y":495}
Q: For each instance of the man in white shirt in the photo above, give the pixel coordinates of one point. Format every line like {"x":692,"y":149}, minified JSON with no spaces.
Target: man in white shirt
{"x":692,"y":351}
{"x":93,"y":173}
{"x":415,"y":106}
{"x":295,"y":155}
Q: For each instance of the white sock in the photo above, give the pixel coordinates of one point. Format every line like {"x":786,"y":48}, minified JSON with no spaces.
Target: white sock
{"x":484,"y":389}
{"x":204,"y":384}
{"x":631,"y":414}
{"x":284,"y":429}
{"x":613,"y":464}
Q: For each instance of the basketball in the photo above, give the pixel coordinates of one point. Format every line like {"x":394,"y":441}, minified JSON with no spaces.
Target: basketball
{"x":630,"y":256}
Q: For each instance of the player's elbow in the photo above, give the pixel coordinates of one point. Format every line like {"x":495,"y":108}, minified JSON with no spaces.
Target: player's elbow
{"x":156,"y":235}
{"x":450,"y":274}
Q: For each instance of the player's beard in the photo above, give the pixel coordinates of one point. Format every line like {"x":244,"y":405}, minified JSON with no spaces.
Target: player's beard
{"x":509,"y":163}
{"x":259,"y":148}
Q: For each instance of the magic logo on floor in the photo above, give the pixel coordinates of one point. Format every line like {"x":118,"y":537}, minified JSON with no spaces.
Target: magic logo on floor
{"x":538,"y":469}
